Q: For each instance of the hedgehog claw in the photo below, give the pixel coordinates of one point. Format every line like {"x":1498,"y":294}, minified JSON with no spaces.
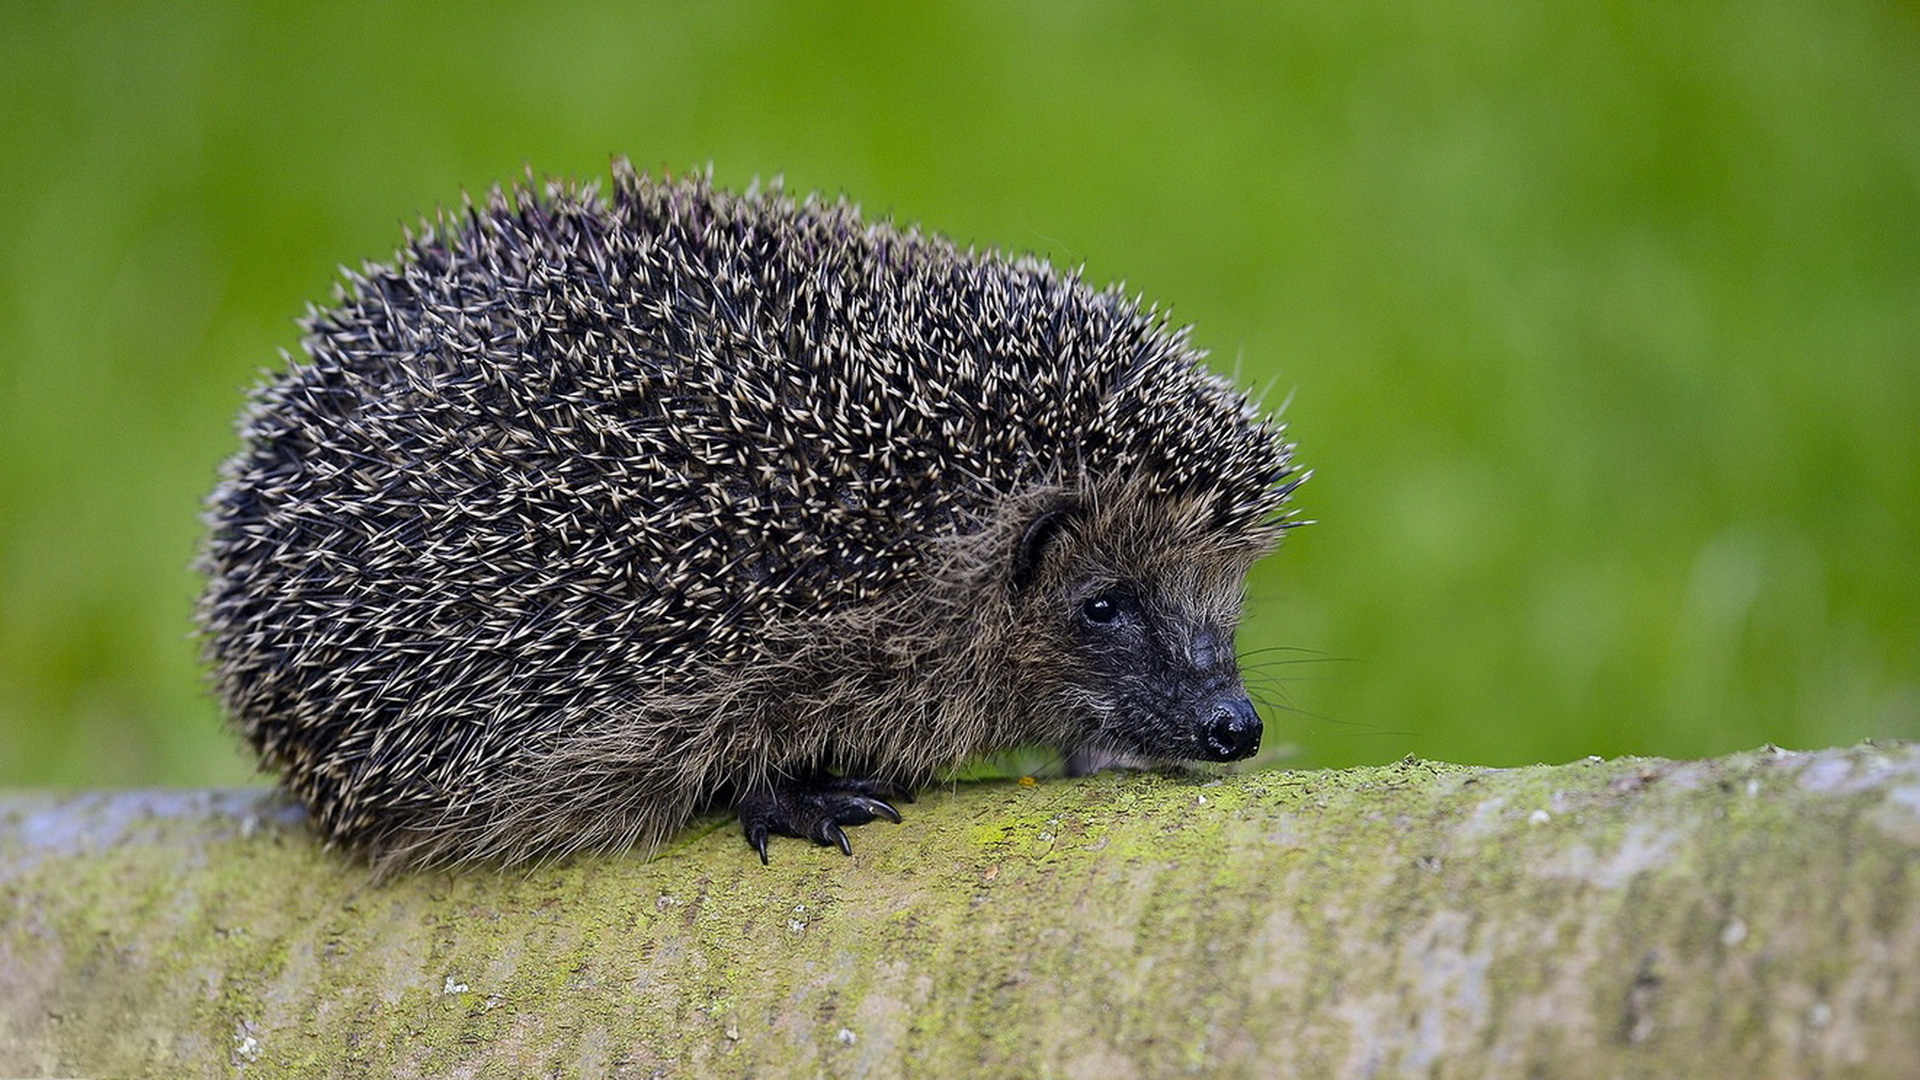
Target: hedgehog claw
{"x":839,"y":836}
{"x":877,"y":808}
{"x":817,"y":810}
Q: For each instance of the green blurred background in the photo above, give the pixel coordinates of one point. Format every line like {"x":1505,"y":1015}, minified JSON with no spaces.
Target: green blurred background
{"x":1600,"y":322}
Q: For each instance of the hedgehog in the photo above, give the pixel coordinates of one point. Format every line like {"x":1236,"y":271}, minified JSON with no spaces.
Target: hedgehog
{"x":590,"y":514}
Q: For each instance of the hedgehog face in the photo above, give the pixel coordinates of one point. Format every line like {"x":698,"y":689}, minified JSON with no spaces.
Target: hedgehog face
{"x":1136,"y":632}
{"x":1157,"y":679}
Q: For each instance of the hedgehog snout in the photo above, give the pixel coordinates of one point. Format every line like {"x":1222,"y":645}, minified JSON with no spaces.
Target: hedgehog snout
{"x":1222,"y":720}
{"x":1231,"y":729}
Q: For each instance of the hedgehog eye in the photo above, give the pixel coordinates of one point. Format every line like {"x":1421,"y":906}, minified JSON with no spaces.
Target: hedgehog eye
{"x":1103,"y":608}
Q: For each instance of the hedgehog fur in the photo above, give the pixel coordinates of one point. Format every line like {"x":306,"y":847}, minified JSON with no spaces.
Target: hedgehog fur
{"x":587,"y":513}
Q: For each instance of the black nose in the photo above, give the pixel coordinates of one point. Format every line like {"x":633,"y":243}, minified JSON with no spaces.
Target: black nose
{"x":1232,"y":729}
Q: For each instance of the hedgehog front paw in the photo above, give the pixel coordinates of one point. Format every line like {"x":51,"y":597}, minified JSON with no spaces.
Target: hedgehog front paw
{"x":816,"y":809}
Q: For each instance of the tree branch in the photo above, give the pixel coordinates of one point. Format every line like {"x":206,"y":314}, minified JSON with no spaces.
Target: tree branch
{"x":1754,"y":915}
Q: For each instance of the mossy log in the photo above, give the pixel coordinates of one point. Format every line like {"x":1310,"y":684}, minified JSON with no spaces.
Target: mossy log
{"x":1754,"y":915}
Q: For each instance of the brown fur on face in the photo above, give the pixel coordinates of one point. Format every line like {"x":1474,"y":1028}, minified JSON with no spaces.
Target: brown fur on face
{"x":1182,"y":577}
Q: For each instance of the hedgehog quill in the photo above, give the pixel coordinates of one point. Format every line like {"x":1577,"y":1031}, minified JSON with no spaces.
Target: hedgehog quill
{"x":588,"y":513}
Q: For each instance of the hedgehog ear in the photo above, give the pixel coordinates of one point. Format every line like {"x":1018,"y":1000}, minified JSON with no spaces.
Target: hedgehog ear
{"x":1033,"y":544}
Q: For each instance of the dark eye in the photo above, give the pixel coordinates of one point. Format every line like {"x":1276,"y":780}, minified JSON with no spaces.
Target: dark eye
{"x":1100,"y":609}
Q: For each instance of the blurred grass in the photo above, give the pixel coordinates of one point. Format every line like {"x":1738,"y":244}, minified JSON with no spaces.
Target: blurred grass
{"x":1601,"y":322}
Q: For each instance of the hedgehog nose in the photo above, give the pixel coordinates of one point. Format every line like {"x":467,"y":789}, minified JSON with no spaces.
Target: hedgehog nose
{"x":1232,"y":730}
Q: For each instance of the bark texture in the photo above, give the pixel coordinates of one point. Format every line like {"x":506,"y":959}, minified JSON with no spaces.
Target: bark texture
{"x":1754,"y":915}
